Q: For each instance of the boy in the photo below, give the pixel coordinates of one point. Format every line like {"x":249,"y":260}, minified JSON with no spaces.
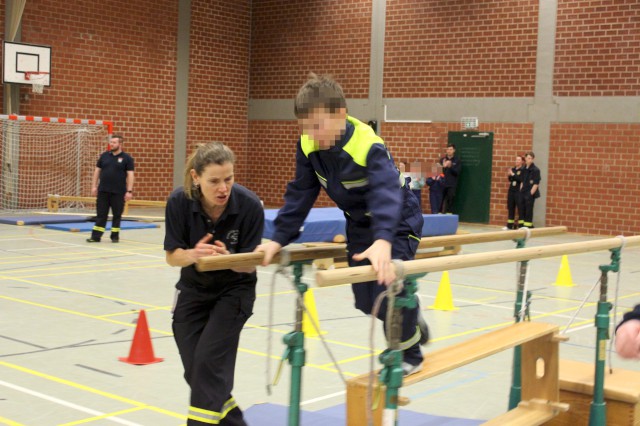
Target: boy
{"x":352,"y":164}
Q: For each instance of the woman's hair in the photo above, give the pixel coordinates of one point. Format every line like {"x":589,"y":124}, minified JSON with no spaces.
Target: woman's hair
{"x":319,"y":92}
{"x":205,"y":155}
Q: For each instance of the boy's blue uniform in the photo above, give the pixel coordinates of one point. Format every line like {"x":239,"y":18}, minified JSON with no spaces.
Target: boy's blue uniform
{"x":360,"y":176}
{"x":436,"y":192}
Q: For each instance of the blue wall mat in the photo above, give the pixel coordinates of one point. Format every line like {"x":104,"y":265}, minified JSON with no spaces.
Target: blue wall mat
{"x":88,"y":226}
{"x":41,"y":219}
{"x":324,"y":223}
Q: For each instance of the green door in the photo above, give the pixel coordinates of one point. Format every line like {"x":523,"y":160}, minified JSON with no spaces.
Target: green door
{"x":473,"y":195}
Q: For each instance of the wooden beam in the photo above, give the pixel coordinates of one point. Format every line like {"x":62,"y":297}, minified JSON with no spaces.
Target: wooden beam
{"x":244,"y":260}
{"x":358,"y":274}
{"x":485,"y":237}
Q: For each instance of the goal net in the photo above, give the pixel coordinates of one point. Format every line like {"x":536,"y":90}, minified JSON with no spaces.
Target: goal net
{"x":43,"y":156}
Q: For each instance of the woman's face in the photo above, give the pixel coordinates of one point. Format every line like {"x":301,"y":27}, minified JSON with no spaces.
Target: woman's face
{"x":215,"y":183}
{"x":518,"y":162}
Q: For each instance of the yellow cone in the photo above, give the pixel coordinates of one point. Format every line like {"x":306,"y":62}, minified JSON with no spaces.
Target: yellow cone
{"x":564,"y":275}
{"x":307,"y":326}
{"x":444,"y":299}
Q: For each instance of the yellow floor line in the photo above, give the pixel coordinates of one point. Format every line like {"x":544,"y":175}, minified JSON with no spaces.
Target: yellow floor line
{"x":8,"y":422}
{"x":90,"y":389}
{"x":81,"y":314}
{"x":104,"y":416}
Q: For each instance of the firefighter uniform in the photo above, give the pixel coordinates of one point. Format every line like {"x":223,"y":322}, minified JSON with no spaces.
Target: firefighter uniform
{"x":212,"y":307}
{"x":359,"y":175}
{"x":531,"y":177}
{"x":513,"y":198}
{"x":111,"y":191}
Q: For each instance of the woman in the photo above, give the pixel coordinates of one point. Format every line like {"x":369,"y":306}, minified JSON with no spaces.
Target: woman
{"x":515,"y":175}
{"x":211,"y":216}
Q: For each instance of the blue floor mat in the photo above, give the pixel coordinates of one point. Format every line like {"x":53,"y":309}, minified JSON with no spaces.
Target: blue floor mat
{"x":88,"y":226}
{"x":42,"y":219}
{"x":276,"y":415}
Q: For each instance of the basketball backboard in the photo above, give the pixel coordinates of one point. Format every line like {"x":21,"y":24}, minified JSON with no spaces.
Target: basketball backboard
{"x":22,"y":60}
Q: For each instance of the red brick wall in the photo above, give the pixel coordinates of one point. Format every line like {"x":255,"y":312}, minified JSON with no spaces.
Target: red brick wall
{"x":594,"y":178}
{"x":292,"y":38}
{"x":117,"y":61}
{"x":275,"y":166}
{"x":597,"y":48}
{"x":219,"y":77}
{"x":112,"y":60}
{"x":460,"y":48}
{"x":427,"y":142}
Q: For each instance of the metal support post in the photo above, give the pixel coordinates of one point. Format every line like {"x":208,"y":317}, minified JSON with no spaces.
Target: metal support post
{"x":515,"y":394}
{"x":598,"y":409}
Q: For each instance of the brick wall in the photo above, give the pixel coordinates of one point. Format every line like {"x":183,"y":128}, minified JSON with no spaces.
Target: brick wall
{"x":112,"y":60}
{"x":292,"y":38}
{"x":598,"y":48}
{"x":219,"y":77}
{"x":460,"y":48}
{"x":594,"y":178}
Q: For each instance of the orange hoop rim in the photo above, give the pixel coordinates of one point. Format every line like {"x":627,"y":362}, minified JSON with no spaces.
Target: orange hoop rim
{"x":28,"y":74}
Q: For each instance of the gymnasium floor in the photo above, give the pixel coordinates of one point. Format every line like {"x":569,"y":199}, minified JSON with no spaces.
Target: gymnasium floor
{"x":69,"y":308}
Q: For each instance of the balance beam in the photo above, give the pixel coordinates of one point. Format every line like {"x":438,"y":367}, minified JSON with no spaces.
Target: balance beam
{"x":244,"y":260}
{"x":314,"y":251}
{"x":54,"y":200}
{"x":540,"y":393}
{"x":358,"y":274}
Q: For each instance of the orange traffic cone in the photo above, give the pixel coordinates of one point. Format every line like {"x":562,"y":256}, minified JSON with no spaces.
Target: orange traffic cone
{"x":141,"y":352}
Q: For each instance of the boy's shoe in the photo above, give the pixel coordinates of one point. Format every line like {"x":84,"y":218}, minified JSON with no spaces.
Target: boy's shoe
{"x":424,"y":329}
{"x":115,"y":240}
{"x":91,"y":240}
{"x":408,"y":369}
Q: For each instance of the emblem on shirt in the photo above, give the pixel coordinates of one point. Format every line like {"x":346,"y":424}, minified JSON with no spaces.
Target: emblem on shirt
{"x":119,"y":160}
{"x":513,"y":183}
{"x":531,"y":181}
{"x":232,"y":237}
{"x":518,"y":172}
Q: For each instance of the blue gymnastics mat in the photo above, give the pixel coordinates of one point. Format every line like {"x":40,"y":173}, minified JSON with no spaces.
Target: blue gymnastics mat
{"x":41,"y":219}
{"x":88,"y":226}
{"x":276,"y":415}
{"x":324,"y":223}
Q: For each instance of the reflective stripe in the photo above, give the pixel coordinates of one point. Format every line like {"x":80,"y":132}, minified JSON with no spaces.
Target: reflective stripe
{"x":115,"y":229}
{"x":211,"y":417}
{"x":355,"y":183}
{"x":414,"y":237}
{"x":413,"y":341}
{"x":322,"y":180}
{"x":98,"y":228}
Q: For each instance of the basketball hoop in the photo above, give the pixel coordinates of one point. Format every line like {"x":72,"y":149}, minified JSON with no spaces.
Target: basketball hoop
{"x":38,"y":80}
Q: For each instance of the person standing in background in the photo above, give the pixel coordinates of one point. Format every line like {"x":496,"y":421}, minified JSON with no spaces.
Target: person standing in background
{"x":436,"y":188}
{"x":114,"y":171}
{"x":417,"y":180}
{"x":529,"y":189}
{"x":515,"y":175}
{"x":452,"y":166}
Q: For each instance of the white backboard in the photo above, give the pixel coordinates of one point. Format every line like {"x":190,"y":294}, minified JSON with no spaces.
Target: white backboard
{"x":20,"y":59}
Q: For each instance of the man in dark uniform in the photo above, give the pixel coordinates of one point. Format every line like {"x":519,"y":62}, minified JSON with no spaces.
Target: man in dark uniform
{"x":529,"y":189}
{"x":515,"y":174}
{"x":346,"y":158}
{"x":114,"y":171}
{"x":451,"y":166}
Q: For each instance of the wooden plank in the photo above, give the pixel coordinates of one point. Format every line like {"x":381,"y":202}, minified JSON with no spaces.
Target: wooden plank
{"x":449,"y":358}
{"x":620,"y":385}
{"x":525,"y":414}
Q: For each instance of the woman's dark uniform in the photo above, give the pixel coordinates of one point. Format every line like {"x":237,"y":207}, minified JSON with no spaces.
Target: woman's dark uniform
{"x":212,"y":307}
{"x":531,"y":177}
{"x":513,"y":198}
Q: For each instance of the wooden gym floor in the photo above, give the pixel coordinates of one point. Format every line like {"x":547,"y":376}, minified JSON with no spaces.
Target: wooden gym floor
{"x":69,"y":309}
